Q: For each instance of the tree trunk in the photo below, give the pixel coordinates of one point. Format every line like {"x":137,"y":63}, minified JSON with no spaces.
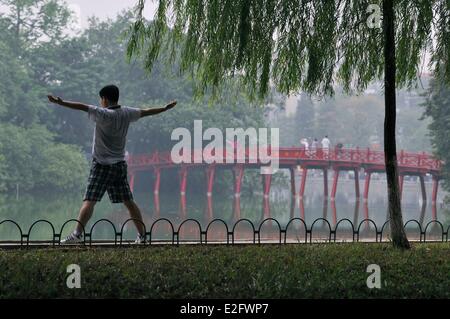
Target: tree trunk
{"x":390,"y":150}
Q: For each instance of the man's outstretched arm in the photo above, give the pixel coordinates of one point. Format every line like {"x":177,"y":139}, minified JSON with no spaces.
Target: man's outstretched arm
{"x":71,"y":105}
{"x":154,"y":111}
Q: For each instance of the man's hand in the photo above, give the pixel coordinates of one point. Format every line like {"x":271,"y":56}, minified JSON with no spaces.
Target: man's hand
{"x":54,"y":99}
{"x":171,"y":105}
{"x":71,"y":105}
{"x":154,"y":111}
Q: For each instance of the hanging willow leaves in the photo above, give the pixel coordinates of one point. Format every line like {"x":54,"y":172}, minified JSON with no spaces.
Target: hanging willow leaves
{"x":298,"y":45}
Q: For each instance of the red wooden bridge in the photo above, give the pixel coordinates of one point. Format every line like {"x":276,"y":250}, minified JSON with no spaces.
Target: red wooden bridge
{"x":337,"y":160}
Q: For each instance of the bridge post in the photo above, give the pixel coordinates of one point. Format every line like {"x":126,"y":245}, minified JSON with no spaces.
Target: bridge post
{"x":157,"y":183}
{"x":266,"y":208}
{"x":422,"y":213}
{"x":183,"y":180}
{"x":292,"y":208}
{"x":335,"y":183}
{"x":292,"y":177}
{"x":301,"y":206}
{"x":237,"y":208}
{"x":303,"y":182}
{"x":325,"y":209}
{"x":238,"y":173}
{"x":267,"y":181}
{"x":156,"y":187}
{"x":435,"y":190}
{"x":209,"y":209}
{"x":366,"y":186}
{"x":333,"y":213}
{"x":183,"y":205}
{"x":422,"y":188}
{"x":156,"y":205}
{"x":356,"y":213}
{"x":357,"y":184}
{"x":325,"y":184}
{"x":210,"y":171}
{"x":366,"y":215}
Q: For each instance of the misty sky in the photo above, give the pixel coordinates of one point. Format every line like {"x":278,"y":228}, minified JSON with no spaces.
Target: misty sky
{"x":106,"y":8}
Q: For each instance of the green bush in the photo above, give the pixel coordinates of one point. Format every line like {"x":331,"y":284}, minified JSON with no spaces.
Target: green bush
{"x":31,"y":159}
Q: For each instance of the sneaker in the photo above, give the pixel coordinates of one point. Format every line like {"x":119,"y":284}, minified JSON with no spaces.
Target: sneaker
{"x":72,"y":239}
{"x":140,"y":239}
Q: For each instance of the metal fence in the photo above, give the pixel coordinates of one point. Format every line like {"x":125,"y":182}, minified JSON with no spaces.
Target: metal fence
{"x":365,"y":231}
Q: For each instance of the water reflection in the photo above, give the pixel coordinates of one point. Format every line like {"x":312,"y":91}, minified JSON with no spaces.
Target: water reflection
{"x":237,"y":208}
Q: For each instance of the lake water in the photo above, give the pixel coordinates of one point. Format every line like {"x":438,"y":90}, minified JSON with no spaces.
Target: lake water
{"x":196,"y":205}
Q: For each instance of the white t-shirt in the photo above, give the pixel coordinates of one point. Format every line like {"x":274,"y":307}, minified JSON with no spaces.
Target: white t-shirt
{"x":305,"y":144}
{"x":325,"y":143}
{"x":111,"y":128}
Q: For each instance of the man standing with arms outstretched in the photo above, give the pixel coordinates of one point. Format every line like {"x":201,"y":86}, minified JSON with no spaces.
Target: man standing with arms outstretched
{"x":109,"y":168}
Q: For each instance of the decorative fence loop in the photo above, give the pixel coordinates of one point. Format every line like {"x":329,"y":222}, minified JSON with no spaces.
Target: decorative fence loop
{"x":18,"y":227}
{"x":289,"y":223}
{"x":367,"y":220}
{"x":243,"y":220}
{"x":41,"y":221}
{"x":418,"y":224}
{"x":189,"y":220}
{"x":312,"y":226}
{"x":265,"y":220}
{"x":134,"y":220}
{"x":337,"y":225}
{"x":157,"y":221}
{"x":433,"y":222}
{"x":103,"y":220}
{"x":214,"y":221}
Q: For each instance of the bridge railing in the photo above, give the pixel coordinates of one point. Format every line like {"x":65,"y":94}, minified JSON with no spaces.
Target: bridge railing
{"x":252,"y":155}
{"x":421,"y":160}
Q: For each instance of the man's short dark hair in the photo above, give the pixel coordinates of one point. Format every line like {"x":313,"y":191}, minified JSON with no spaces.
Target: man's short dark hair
{"x":110,"y":92}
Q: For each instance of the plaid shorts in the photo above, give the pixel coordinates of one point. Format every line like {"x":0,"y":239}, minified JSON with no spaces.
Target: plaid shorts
{"x":111,"y":178}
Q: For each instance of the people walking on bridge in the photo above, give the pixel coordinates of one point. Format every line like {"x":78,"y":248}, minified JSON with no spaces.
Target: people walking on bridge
{"x":108,"y":171}
{"x":326,"y":146}
{"x":314,"y":147}
{"x":315,"y":144}
{"x":305,"y":145}
{"x":339,"y":147}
